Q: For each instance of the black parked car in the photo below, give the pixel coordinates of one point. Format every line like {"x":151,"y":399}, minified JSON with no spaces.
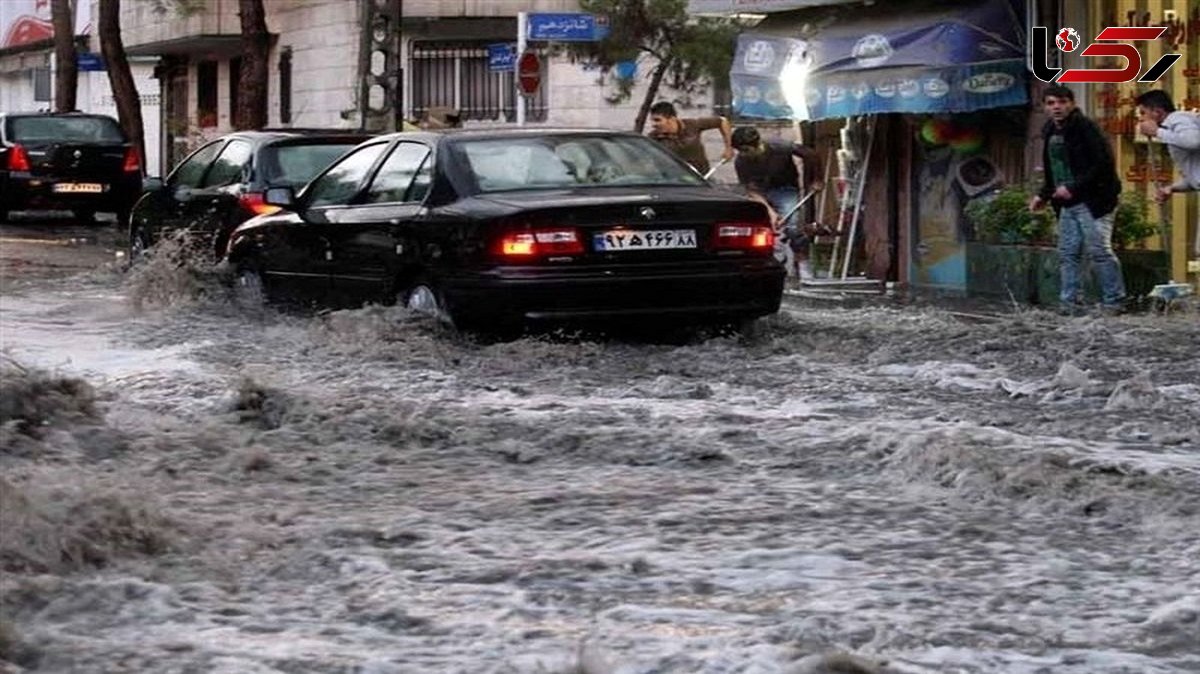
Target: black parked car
{"x":221,"y":184}
{"x":491,"y":229}
{"x":67,"y":161}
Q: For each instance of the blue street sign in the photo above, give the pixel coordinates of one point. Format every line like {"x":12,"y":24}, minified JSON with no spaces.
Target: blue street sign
{"x":89,"y":61}
{"x":575,"y":27}
{"x":502,"y":57}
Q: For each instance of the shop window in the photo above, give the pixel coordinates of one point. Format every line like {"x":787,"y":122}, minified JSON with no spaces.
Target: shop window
{"x":41,"y":85}
{"x":455,"y":74}
{"x":206,"y":94}
{"x":235,"y":78}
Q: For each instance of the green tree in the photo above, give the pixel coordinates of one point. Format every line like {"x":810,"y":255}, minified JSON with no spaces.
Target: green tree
{"x":688,"y":53}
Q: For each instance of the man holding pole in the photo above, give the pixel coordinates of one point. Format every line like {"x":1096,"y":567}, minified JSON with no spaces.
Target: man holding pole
{"x":768,"y":172}
{"x":682,"y":136}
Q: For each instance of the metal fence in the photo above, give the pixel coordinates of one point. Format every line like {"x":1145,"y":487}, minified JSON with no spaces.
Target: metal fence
{"x":455,"y":74}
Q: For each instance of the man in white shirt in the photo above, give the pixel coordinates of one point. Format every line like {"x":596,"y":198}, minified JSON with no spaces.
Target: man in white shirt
{"x":1181,"y":133}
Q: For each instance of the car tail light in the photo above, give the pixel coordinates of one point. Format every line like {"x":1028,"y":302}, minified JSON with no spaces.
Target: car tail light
{"x":254,"y":202}
{"x":743,"y":236}
{"x":18,"y":159}
{"x":132,"y":163}
{"x":540,"y":242}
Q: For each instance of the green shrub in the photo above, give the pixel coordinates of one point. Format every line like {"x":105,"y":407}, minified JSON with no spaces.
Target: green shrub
{"x":1132,"y":223}
{"x":1004,"y":217}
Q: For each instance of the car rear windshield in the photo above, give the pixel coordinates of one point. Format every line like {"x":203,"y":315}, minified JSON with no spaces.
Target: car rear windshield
{"x":503,"y":164}
{"x":64,"y":130}
{"x":296,"y":164}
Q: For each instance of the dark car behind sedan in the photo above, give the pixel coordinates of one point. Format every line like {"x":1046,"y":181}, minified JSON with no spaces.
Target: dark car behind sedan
{"x":492,"y":229}
{"x":67,"y":161}
{"x":222,"y":183}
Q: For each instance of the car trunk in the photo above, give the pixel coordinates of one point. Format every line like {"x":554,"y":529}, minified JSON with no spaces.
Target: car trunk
{"x":628,"y":225}
{"x":84,"y":162}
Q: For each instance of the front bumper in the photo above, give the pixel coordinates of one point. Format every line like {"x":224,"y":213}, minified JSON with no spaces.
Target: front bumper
{"x":697,"y":293}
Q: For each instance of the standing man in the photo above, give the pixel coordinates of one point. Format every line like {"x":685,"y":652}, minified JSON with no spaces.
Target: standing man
{"x":1180,"y":131}
{"x":769,"y":174}
{"x":1081,"y":184}
{"x":682,"y":136}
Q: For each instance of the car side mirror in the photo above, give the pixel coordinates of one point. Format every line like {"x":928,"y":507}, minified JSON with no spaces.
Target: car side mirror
{"x":284,"y":197}
{"x":153,"y":184}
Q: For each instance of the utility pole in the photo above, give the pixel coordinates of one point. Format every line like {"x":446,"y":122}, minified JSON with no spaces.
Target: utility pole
{"x":380,"y":76}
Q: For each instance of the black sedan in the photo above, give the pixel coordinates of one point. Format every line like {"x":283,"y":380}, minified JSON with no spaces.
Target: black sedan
{"x":494,"y":229}
{"x":67,"y":161}
{"x":221,"y":184}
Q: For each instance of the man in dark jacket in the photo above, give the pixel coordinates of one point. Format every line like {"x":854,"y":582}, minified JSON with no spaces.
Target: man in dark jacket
{"x":1082,"y":185}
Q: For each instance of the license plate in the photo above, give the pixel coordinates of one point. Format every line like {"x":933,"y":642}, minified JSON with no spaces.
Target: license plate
{"x":655,"y":239}
{"x":75,"y":188}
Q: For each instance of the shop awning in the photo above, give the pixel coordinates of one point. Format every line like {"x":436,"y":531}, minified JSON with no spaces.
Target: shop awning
{"x":843,"y":61}
{"x":756,"y":6}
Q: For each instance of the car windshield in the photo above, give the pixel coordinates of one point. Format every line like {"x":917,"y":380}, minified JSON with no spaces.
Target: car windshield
{"x":296,"y":164}
{"x":64,"y":130}
{"x":547,"y":162}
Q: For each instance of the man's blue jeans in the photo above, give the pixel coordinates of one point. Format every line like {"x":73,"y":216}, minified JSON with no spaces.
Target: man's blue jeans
{"x":1079,"y":233}
{"x":783,"y":200}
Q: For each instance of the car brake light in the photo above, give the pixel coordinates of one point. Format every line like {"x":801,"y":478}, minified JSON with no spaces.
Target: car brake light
{"x":540,"y":242}
{"x":18,"y":159}
{"x":254,"y":202}
{"x":132,"y":163}
{"x":744,"y":236}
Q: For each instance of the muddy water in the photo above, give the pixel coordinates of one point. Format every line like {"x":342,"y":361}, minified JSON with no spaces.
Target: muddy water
{"x":358,"y":491}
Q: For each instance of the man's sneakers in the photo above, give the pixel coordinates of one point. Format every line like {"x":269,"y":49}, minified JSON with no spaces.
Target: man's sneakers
{"x":1101,"y":310}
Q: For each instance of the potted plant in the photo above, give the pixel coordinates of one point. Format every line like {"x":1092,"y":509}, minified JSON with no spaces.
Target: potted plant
{"x":1132,"y":225}
{"x":1003,"y":217}
{"x":1011,"y":253}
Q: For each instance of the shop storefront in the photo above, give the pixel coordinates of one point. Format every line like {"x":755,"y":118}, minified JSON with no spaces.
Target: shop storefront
{"x":1143,"y":164}
{"x":927,"y":108}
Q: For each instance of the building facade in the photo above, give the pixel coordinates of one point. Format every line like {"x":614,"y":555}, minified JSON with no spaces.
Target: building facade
{"x":322,"y":52}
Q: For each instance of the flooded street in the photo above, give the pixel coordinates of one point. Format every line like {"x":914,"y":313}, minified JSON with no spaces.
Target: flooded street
{"x":191,"y":487}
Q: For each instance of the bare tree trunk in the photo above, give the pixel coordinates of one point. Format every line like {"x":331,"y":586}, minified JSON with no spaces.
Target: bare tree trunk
{"x":651,"y":92}
{"x":125,"y":93}
{"x":252,"y":85}
{"x":66,"y":75}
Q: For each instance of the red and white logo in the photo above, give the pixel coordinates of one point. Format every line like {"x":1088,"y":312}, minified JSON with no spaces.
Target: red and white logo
{"x":1113,"y":41}
{"x":1067,"y":39}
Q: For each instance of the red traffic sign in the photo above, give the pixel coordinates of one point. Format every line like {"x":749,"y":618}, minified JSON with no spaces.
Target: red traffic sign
{"x":529,"y":73}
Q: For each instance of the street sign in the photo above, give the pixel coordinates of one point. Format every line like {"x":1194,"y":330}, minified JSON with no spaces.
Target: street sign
{"x":88,"y":61}
{"x":529,"y":73}
{"x":502,"y":57}
{"x":573,"y":27}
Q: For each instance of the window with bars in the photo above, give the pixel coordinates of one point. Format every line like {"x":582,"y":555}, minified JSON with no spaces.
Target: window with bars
{"x":455,"y":74}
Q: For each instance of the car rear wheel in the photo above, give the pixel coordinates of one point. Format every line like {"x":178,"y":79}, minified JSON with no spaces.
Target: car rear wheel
{"x":425,"y":299}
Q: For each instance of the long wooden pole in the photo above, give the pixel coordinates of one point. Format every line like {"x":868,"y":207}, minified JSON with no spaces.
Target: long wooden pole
{"x":858,"y":200}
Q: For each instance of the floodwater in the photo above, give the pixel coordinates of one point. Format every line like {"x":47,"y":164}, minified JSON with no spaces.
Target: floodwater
{"x":358,"y":491}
